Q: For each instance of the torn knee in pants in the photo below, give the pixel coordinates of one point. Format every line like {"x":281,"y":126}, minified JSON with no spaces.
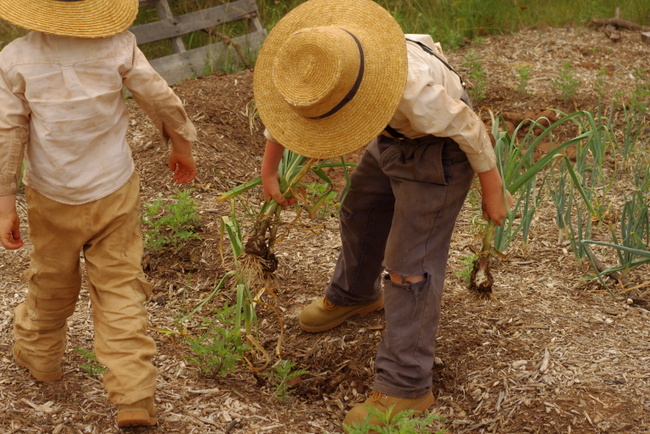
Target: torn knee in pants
{"x":416,"y":287}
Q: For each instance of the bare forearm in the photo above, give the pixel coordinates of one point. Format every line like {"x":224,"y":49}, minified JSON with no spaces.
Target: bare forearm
{"x":272,"y":156}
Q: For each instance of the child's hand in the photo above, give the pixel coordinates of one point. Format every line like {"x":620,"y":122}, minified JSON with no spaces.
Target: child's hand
{"x":9,"y":223}
{"x":270,"y":179}
{"x":181,"y":160}
{"x":271,"y":187}
{"x":495,"y":205}
{"x":495,"y":208}
{"x":183,"y":166}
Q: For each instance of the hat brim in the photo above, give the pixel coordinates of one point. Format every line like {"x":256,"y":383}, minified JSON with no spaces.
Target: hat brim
{"x":82,"y":18}
{"x":375,"y":102}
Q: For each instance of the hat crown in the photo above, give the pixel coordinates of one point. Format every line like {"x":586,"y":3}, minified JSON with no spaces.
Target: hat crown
{"x":318,"y":69}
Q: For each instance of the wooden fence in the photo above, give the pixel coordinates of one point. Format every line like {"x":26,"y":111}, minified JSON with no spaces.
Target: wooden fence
{"x":184,"y":63}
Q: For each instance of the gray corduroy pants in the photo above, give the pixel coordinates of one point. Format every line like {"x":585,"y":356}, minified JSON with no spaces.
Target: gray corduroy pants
{"x":399,"y":215}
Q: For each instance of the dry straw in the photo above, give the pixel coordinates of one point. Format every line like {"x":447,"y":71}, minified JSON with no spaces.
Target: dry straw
{"x":330,"y":75}
{"x":78,"y":18}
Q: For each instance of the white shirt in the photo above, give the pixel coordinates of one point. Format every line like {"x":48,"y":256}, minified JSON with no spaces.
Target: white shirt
{"x":431,"y":105}
{"x":62,"y":98}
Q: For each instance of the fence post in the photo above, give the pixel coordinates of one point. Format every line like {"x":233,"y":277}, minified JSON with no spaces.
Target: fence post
{"x":165,"y":13}
{"x":186,"y":62}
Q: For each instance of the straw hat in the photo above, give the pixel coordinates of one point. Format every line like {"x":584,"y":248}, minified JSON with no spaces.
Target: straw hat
{"x":80,"y":18}
{"x":329,"y":76}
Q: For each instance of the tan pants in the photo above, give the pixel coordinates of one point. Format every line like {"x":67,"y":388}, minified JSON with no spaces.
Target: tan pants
{"x":108,"y":233}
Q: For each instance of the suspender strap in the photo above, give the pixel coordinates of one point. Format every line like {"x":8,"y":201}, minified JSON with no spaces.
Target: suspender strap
{"x":392,"y":131}
{"x":430,"y":51}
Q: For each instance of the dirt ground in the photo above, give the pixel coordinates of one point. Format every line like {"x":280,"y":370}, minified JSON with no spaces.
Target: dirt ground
{"x":547,"y":353}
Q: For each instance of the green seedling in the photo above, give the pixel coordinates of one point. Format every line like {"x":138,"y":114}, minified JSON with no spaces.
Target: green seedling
{"x":170,"y":227}
{"x":566,"y":83}
{"x":403,"y":422}
{"x":282,"y":377}
{"x":219,"y":349}
{"x":92,"y":367}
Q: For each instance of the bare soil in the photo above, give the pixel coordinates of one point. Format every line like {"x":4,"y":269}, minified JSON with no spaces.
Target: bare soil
{"x":548,"y":352}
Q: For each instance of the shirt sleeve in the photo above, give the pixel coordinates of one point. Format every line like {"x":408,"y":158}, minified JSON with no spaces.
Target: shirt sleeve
{"x":156,"y":98}
{"x":14,"y":125}
{"x":268,"y":136}
{"x":430,"y":109}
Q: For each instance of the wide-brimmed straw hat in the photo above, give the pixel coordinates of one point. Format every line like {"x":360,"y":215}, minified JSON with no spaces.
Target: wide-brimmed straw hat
{"x":330,"y":75}
{"x":79,"y":18}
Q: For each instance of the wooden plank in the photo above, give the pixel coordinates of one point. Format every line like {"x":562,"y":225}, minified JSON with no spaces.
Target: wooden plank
{"x":182,"y":66}
{"x":194,"y":21}
{"x":165,"y":14}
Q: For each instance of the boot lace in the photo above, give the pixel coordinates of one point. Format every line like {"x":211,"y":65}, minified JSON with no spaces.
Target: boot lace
{"x":376,"y":396}
{"x":328,"y":304}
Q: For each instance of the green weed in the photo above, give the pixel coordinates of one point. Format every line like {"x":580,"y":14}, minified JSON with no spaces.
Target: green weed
{"x":523,"y":74}
{"x":282,"y":376}
{"x":170,"y":227}
{"x":401,"y":423}
{"x":466,"y":271}
{"x":566,"y":83}
{"x":92,"y":367}
{"x":218,"y":350}
{"x":324,"y":199}
{"x":477,"y":77}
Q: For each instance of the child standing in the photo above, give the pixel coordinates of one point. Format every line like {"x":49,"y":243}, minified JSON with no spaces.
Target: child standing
{"x":63,"y":113}
{"x":335,"y":75}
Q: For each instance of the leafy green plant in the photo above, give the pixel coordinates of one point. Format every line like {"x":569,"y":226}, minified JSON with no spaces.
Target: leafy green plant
{"x":600,"y":84}
{"x":170,"y":226}
{"x":566,"y":82}
{"x":477,"y":77}
{"x":466,"y":270}
{"x":324,"y":199}
{"x":523,"y":74}
{"x":281,"y":377}
{"x":403,"y":422}
{"x":92,"y":367}
{"x":219,"y":348}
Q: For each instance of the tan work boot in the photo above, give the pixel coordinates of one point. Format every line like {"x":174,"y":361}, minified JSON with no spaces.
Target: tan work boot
{"x":321,"y":314}
{"x":41,"y":372}
{"x":382,"y":402}
{"x":140,"y":413}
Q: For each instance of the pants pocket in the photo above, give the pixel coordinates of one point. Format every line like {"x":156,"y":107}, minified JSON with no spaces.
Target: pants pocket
{"x":415,"y":162}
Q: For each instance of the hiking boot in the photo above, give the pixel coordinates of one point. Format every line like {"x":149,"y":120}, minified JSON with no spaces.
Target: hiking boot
{"x":321,"y":314}
{"x":140,"y":413}
{"x":40,"y":372}
{"x":382,"y":402}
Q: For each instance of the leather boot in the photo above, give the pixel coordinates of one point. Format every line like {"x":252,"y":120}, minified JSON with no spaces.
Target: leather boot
{"x":383,"y":403}
{"x":321,"y":314}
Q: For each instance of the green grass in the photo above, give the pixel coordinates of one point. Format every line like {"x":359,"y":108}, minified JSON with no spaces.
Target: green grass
{"x":451,"y":22}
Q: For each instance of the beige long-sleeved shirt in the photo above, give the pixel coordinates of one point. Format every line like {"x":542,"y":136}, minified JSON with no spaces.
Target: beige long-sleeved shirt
{"x":431,"y":105}
{"x":62,"y":107}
